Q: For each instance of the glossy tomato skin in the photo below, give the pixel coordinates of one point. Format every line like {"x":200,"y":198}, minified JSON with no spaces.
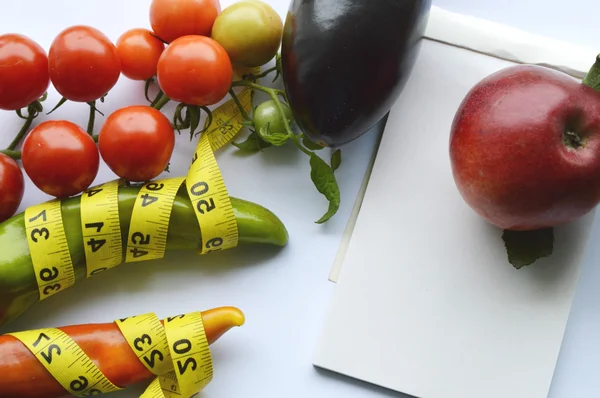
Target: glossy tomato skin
{"x":250,"y":31}
{"x":136,"y":142}
{"x":139,"y":52}
{"x":195,"y":70}
{"x":12,"y":187}
{"x":83,"y":63}
{"x":171,"y":19}
{"x":24,"y":66}
{"x":60,"y":158}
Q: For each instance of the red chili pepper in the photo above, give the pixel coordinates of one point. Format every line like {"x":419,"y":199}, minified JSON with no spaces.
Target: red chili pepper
{"x":23,"y":376}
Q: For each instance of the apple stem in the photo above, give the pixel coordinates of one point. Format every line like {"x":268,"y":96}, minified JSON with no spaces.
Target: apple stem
{"x":592,"y":78}
{"x":573,"y":140}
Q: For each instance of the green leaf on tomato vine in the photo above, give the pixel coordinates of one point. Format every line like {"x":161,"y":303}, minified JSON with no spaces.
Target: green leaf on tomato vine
{"x":273,"y":138}
{"x":193,"y":113}
{"x":324,"y":179}
{"x":336,"y":159}
{"x":524,"y":248}
{"x":252,"y":144}
{"x":313,"y":146}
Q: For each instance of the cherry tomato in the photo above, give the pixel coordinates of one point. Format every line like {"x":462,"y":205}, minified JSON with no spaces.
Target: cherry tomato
{"x":12,"y":187}
{"x":171,"y":19}
{"x":195,"y":70}
{"x":139,"y":52}
{"x":250,"y":31}
{"x":84,"y":64}
{"x":24,"y":66}
{"x":60,"y":158}
{"x":136,"y":142}
{"x":267,"y":116}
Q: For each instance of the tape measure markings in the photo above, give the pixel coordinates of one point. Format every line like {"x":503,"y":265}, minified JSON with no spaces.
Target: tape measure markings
{"x":154,"y":390}
{"x":228,"y":120}
{"x":210,"y":200}
{"x":147,"y":238}
{"x":66,"y":362}
{"x":48,"y":248}
{"x":192,"y":367}
{"x":146,"y":337}
{"x":101,"y":229}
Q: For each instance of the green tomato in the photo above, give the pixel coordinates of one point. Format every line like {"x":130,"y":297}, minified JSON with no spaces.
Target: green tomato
{"x":250,"y":31}
{"x":267,"y":115}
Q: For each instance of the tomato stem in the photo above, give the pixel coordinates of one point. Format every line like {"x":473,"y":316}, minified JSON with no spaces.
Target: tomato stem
{"x":31,"y":114}
{"x":158,"y":96}
{"x":160,"y":101}
{"x":16,"y":155}
{"x":92,"y":118}
{"x":239,"y":104}
{"x":261,"y":75}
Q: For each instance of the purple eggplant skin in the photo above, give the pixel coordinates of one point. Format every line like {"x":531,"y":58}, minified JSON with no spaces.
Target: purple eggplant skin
{"x":345,"y":62}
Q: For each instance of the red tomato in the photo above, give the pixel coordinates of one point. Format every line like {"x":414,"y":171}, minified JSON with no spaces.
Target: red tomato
{"x":24,"y":66}
{"x":84,"y":64}
{"x":139,"y":52}
{"x":60,"y":158}
{"x":195,"y":70}
{"x":171,"y":19}
{"x":136,"y":142}
{"x":12,"y":187}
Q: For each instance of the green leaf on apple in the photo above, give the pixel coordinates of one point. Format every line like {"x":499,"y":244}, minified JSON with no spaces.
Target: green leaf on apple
{"x":526,"y":247}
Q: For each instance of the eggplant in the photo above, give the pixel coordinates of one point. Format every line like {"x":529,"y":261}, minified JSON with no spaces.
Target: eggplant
{"x":345,"y":62}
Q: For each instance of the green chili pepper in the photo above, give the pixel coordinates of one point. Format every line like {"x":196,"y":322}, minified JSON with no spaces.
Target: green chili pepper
{"x":18,"y":288}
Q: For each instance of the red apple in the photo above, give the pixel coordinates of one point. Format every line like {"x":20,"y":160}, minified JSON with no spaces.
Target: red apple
{"x":525,"y":148}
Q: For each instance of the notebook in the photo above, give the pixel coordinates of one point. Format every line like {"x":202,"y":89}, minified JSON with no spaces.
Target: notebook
{"x":426,"y":303}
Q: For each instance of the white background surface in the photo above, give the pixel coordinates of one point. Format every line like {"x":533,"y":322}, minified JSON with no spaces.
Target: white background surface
{"x":283,"y":293}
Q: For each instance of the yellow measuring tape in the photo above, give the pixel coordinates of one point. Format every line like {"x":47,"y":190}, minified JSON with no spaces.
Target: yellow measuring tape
{"x":101,"y":227}
{"x":49,"y":249}
{"x":149,"y":224}
{"x":177,"y":352}
{"x":227,"y":120}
